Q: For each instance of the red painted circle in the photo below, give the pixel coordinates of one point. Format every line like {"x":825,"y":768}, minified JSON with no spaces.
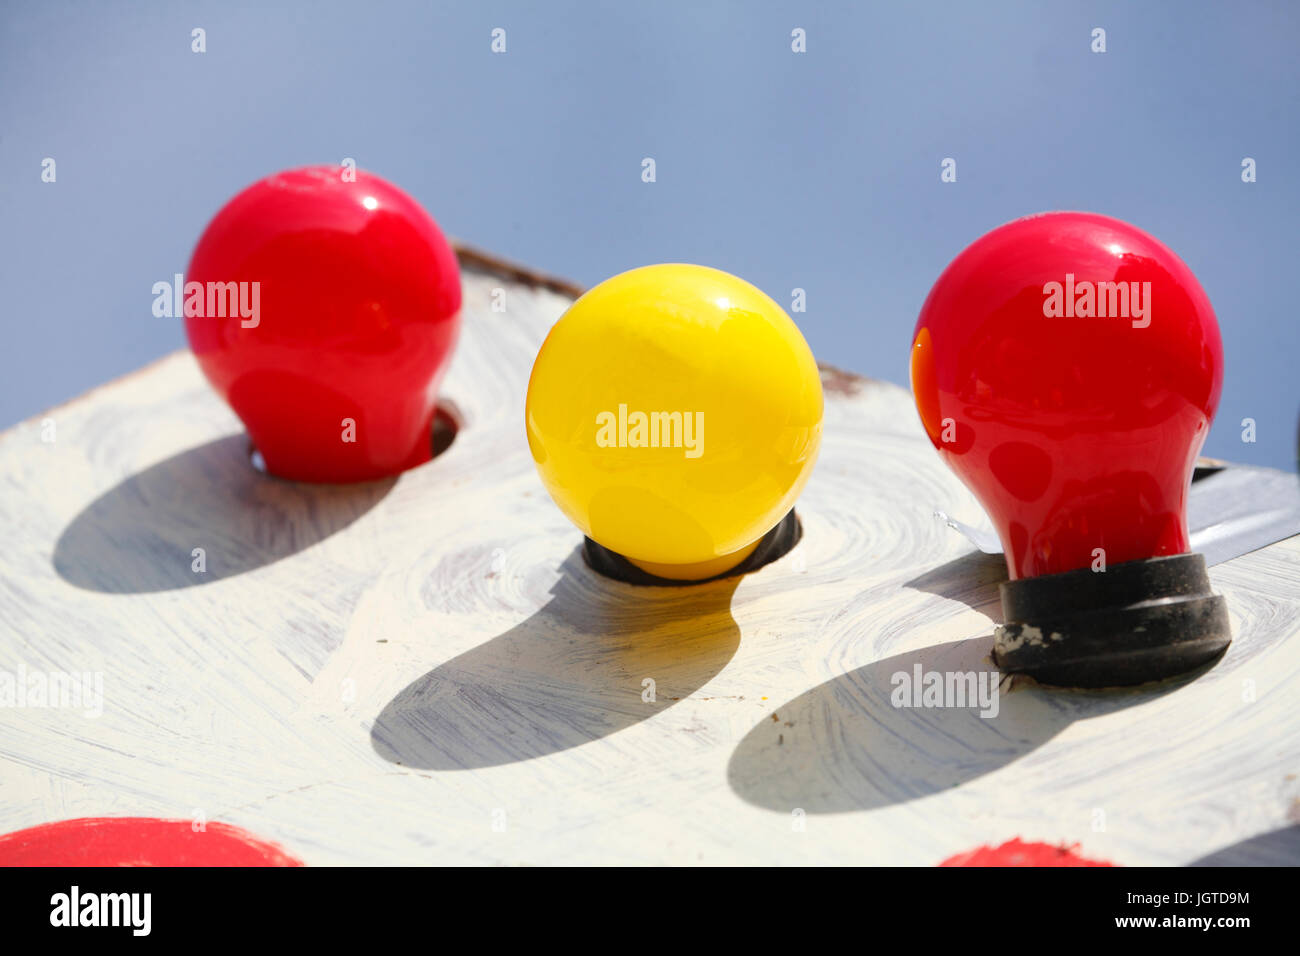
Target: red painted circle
{"x":1018,"y":853}
{"x":138,"y":841}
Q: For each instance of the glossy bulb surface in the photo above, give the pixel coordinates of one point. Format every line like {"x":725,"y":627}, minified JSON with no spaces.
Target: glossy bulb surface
{"x":358,"y":299}
{"x":710,"y":361}
{"x":1075,"y":432}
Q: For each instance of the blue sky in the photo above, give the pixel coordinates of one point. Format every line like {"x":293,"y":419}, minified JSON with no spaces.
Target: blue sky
{"x":818,"y":171}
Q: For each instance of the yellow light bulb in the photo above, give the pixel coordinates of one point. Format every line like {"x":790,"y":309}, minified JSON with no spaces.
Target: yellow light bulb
{"x":675,"y":413}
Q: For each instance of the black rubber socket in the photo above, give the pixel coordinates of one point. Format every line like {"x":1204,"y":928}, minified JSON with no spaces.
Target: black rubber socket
{"x":1134,"y":622}
{"x":776,"y":543}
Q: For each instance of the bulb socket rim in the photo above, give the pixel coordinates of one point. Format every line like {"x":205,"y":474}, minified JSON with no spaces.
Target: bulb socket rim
{"x":775,"y":544}
{"x":1135,"y":622}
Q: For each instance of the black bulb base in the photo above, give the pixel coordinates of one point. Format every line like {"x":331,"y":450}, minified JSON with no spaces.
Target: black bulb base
{"x":776,"y":543}
{"x":1134,"y":622}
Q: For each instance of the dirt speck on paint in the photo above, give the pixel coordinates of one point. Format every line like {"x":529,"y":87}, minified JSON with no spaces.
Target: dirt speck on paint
{"x":138,"y":841}
{"x":1016,"y":852}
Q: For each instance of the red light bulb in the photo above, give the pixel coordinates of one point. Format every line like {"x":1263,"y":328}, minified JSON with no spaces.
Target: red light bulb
{"x":1067,"y":367}
{"x":324,"y":311}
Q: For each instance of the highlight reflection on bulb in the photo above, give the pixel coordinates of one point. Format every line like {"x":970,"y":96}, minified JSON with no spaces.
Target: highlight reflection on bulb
{"x":1067,"y":366}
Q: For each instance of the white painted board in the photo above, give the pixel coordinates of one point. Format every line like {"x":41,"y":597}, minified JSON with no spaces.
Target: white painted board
{"x":423,"y":670}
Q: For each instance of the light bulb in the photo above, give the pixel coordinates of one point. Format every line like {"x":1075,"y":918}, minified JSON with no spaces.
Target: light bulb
{"x":1067,"y":367}
{"x":674,"y":413}
{"x":323,"y":309}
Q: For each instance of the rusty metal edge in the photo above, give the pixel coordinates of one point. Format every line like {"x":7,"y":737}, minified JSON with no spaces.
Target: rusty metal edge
{"x":480,"y":260}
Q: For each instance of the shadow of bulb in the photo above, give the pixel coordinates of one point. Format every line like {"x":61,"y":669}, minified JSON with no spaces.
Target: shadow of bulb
{"x":324,"y":311}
